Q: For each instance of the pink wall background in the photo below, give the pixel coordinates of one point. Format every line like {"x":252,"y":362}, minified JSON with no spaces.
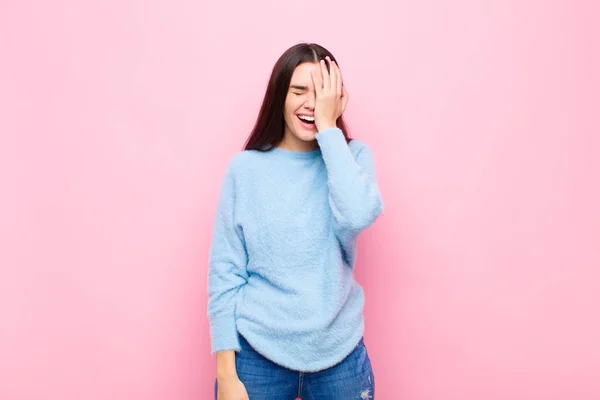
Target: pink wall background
{"x":117,"y":119}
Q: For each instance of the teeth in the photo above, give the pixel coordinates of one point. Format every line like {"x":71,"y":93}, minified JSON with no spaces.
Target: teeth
{"x":310,"y":119}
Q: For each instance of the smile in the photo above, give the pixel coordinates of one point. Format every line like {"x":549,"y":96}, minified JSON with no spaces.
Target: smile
{"x":306,"y":119}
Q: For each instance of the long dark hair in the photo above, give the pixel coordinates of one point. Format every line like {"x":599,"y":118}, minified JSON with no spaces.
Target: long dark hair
{"x":269,"y":127}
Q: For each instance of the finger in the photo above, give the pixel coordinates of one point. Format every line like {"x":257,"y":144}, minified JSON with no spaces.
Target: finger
{"x":333,"y":76}
{"x":345,"y":98}
{"x":326,"y":82}
{"x":338,"y":74}
{"x":315,"y":75}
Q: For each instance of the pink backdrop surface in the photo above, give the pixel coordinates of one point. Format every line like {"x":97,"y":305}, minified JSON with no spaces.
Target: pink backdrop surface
{"x":117,"y":119}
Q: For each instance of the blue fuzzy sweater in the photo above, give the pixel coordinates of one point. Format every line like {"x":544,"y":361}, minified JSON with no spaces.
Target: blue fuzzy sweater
{"x":284,"y":248}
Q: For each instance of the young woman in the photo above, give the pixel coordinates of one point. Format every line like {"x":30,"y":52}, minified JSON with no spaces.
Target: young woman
{"x":286,"y":314}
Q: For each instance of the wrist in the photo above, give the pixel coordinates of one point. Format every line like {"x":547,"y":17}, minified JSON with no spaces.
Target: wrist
{"x":327,"y":124}
{"x":226,"y":365}
{"x":227,"y":376}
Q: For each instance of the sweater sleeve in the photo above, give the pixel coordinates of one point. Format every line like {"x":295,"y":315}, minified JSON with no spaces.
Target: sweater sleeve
{"x":226,"y":271}
{"x":354,"y":195}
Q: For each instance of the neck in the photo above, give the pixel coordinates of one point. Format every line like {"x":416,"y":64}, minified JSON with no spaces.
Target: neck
{"x":292,"y":143}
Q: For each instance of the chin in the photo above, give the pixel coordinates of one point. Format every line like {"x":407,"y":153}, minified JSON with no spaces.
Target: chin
{"x":305,"y":135}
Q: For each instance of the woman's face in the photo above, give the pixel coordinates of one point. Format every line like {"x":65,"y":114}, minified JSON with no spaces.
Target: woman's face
{"x":300,"y":103}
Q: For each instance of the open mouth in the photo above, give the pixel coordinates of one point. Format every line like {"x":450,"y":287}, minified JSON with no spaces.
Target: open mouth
{"x":307,"y":122}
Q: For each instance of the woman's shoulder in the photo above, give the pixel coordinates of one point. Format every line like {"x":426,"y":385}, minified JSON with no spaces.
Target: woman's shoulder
{"x":243,"y":160}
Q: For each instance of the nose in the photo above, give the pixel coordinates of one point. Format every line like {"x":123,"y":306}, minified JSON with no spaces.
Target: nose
{"x":310,"y":100}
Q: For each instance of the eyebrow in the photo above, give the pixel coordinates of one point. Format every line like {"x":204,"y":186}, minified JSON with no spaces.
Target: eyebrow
{"x":299,"y":87}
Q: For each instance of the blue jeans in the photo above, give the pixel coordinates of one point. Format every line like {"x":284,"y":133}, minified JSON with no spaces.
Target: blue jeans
{"x":264,"y":380}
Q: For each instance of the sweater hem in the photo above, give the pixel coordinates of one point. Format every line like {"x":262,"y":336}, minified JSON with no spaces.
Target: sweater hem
{"x":311,"y":367}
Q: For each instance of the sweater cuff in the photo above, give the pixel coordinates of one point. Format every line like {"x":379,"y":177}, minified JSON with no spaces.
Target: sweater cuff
{"x":223,"y":334}
{"x":330,"y":136}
